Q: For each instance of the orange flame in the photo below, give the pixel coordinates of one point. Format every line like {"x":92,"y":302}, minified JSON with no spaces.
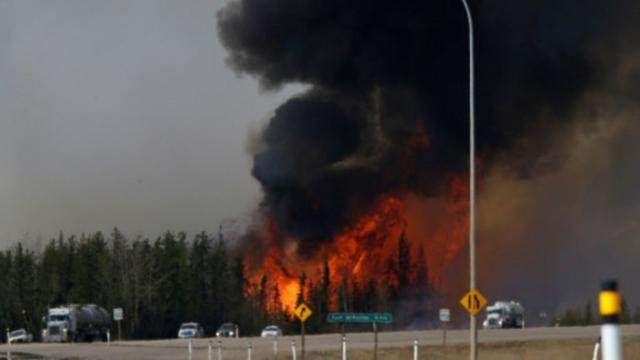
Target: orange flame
{"x":362,"y":251}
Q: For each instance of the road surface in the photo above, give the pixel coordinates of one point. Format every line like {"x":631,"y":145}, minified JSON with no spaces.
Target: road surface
{"x":263,"y":348}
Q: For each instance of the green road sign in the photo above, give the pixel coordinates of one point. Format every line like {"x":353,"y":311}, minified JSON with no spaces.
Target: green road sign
{"x":384,"y":318}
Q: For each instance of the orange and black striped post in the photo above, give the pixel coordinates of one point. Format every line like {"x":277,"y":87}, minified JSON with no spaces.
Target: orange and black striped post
{"x":610,"y":309}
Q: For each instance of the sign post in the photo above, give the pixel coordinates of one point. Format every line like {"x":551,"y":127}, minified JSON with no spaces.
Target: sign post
{"x":445,"y":317}
{"x":473,"y":302}
{"x":302,"y":312}
{"x":374,"y":318}
{"x":375,"y":340}
{"x":118,"y":315}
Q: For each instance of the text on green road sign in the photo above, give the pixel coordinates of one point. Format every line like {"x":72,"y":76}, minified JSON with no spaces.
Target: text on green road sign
{"x":384,"y":318}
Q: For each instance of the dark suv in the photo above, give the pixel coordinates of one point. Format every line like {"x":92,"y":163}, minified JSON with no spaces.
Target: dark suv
{"x":228,"y":330}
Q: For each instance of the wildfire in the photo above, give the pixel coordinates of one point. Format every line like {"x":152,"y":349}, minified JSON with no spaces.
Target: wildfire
{"x":362,"y":251}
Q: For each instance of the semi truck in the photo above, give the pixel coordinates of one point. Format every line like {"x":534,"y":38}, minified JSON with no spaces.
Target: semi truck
{"x":73,"y":322}
{"x":504,"y":315}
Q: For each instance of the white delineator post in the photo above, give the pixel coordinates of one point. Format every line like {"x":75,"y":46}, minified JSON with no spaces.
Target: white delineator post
{"x":190,"y":349}
{"x":275,"y":347}
{"x":415,"y":349}
{"x":219,"y":350}
{"x":610,"y":309}
{"x":210,"y":351}
{"x":294,"y":355}
{"x":473,"y":328}
{"x":344,"y":348}
{"x":249,"y":348}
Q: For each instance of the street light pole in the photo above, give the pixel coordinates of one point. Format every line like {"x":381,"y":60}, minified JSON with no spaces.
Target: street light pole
{"x":473,"y":328}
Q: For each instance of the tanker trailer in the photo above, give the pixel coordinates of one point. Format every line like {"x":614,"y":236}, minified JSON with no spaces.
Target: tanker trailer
{"x":71,"y":323}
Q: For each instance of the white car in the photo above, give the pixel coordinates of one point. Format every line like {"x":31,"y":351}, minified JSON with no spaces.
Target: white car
{"x":20,"y":336}
{"x":190,"y":330}
{"x":271,"y":331}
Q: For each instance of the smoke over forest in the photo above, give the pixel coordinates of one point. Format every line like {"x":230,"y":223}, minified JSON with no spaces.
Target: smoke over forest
{"x":385,"y":114}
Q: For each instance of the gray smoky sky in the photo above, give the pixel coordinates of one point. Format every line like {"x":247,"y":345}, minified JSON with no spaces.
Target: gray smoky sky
{"x":124,"y":113}
{"x":121,"y":113}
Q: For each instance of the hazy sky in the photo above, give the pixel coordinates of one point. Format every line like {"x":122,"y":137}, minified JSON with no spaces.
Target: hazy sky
{"x":121,"y":113}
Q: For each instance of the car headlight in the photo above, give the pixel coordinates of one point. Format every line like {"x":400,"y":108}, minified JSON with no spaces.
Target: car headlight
{"x":231,"y":333}
{"x":217,"y":333}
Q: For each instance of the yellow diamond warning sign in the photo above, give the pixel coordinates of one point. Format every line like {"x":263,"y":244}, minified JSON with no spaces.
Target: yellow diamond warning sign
{"x":303,"y":312}
{"x":473,"y":302}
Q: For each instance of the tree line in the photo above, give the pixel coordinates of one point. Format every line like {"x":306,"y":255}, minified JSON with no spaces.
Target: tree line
{"x":159,"y":283}
{"x":163,"y":282}
{"x":586,"y":315}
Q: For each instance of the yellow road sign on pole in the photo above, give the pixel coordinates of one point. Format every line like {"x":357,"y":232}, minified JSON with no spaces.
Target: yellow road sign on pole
{"x":303,"y":312}
{"x":473,"y":302}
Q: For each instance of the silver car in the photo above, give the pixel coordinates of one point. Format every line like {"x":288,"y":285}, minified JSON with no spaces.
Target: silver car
{"x":271,"y":331}
{"x":20,"y":336}
{"x":190,"y":330}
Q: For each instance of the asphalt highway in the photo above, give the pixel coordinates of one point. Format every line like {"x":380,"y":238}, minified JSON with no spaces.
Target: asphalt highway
{"x":264,"y":348}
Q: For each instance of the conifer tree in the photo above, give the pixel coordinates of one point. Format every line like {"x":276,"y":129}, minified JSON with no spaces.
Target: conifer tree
{"x":199,"y":282}
{"x":625,"y":314}
{"x":636,"y":316}
{"x":587,"y":316}
{"x":117,"y":271}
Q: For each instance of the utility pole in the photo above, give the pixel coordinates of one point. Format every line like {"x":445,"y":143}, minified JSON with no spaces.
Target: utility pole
{"x":473,"y":329}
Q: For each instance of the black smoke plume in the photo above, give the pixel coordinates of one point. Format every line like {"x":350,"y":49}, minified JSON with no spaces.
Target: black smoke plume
{"x":383,"y":73}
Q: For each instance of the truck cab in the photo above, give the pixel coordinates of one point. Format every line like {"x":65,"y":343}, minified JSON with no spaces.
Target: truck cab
{"x":59,"y":325}
{"x":504,"y":315}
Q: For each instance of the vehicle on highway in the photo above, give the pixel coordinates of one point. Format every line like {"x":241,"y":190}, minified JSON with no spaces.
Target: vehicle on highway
{"x":73,"y":322}
{"x":228,"y":330}
{"x":20,"y":336}
{"x":190,"y":330}
{"x":504,"y":315}
{"x":271,"y":331}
